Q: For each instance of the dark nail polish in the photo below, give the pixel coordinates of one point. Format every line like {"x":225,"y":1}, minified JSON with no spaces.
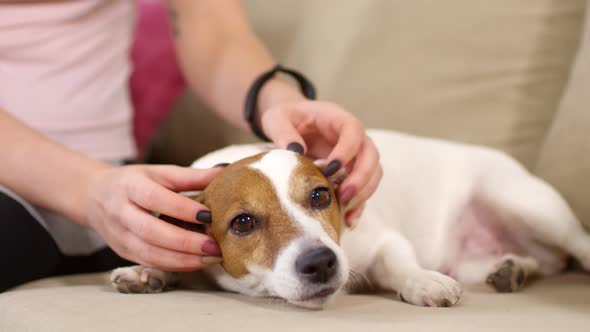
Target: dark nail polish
{"x":221,"y":165}
{"x":332,"y":168}
{"x":211,"y":248}
{"x":204,"y":216}
{"x":295,"y":147}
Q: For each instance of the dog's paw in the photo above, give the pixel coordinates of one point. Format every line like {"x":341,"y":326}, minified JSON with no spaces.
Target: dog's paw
{"x":138,"y":279}
{"x":432,"y":289}
{"x":507,"y":277}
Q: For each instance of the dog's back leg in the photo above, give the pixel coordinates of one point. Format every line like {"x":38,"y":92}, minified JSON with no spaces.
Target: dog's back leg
{"x":511,"y":273}
{"x":508,"y":273}
{"x":140,"y":279}
{"x":396,"y":267}
{"x":533,"y":208}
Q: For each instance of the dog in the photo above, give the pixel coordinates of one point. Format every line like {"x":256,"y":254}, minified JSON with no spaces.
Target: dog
{"x":444,"y":215}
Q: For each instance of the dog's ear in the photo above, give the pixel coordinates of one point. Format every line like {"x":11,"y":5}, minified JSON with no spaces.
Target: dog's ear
{"x":194,"y":195}
{"x":336,"y":178}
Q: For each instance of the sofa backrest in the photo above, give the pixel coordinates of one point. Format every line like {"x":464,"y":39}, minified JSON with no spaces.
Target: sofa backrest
{"x":565,"y":157}
{"x":484,"y":72}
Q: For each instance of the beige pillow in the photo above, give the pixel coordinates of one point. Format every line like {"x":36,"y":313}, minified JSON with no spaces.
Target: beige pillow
{"x":481,"y":71}
{"x":565,"y":158}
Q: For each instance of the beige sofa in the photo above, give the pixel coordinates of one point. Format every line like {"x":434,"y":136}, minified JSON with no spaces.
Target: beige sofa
{"x":510,"y":74}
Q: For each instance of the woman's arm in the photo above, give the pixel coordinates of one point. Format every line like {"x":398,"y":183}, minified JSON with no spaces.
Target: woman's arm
{"x":111,"y":200}
{"x":43,"y":172}
{"x":221,"y":58}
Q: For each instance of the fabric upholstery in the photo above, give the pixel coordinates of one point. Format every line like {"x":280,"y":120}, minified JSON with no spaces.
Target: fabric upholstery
{"x":565,"y":158}
{"x":88,"y":304}
{"x":156,"y":81}
{"x":486,"y":72}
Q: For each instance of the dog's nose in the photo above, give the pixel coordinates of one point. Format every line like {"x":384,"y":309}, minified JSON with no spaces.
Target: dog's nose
{"x":317,"y":265}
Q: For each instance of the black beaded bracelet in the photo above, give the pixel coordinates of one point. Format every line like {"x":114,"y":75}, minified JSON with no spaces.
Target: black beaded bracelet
{"x":305,"y":85}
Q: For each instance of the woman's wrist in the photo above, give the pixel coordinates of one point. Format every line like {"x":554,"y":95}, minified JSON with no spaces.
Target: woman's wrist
{"x":44,"y":172}
{"x":78,"y":190}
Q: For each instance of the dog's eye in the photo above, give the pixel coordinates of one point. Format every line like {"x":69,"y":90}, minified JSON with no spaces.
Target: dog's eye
{"x":243,"y":224}
{"x":320,"y":198}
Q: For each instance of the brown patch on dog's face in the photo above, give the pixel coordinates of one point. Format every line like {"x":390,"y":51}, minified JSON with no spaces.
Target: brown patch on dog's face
{"x":240,"y":191}
{"x":308,"y":182}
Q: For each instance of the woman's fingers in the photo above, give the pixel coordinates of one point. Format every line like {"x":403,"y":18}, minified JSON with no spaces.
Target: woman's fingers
{"x":365,"y":165}
{"x":279,"y":128}
{"x":327,"y":124}
{"x":178,"y":178}
{"x":349,"y":140}
{"x":162,"y":234}
{"x":154,"y":197}
{"x":338,"y":127}
{"x":329,"y":130}
{"x":353,"y":215}
{"x":357,"y":204}
{"x":117,"y":208}
{"x":366,"y":191}
{"x":135,"y":249}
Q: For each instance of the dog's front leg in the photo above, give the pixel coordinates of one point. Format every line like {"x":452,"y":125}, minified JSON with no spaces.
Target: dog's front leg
{"x":396,"y":267}
{"x":141,"y":279}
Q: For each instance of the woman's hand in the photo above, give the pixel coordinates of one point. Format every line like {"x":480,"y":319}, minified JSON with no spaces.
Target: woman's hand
{"x":325,"y":130}
{"x":119,"y":205}
{"x":221,"y":57}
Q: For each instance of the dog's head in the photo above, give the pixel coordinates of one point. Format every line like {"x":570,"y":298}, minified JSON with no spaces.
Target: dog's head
{"x":278,"y":222}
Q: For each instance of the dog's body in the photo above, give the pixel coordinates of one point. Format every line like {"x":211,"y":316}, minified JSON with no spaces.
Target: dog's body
{"x":443,"y":211}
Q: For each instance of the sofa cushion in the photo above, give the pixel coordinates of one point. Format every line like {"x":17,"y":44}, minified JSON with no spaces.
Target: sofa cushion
{"x":87,"y":304}
{"x":565,"y":158}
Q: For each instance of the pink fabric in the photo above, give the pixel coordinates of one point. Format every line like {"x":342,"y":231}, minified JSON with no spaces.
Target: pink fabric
{"x":156,"y":81}
{"x":64,"y":71}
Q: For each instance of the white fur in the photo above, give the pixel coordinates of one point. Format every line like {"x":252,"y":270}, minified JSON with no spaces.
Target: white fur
{"x":278,"y":167}
{"x":408,"y":233}
{"x":409,"y":226}
{"x":230,"y":154}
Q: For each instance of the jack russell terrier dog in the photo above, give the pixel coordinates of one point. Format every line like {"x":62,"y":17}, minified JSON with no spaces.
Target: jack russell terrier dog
{"x":444,"y":214}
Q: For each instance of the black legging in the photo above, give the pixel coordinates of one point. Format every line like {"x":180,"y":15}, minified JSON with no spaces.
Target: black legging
{"x":28,"y":252}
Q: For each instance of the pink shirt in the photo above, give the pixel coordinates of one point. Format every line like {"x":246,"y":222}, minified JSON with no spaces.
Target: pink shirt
{"x":64,"y":69}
